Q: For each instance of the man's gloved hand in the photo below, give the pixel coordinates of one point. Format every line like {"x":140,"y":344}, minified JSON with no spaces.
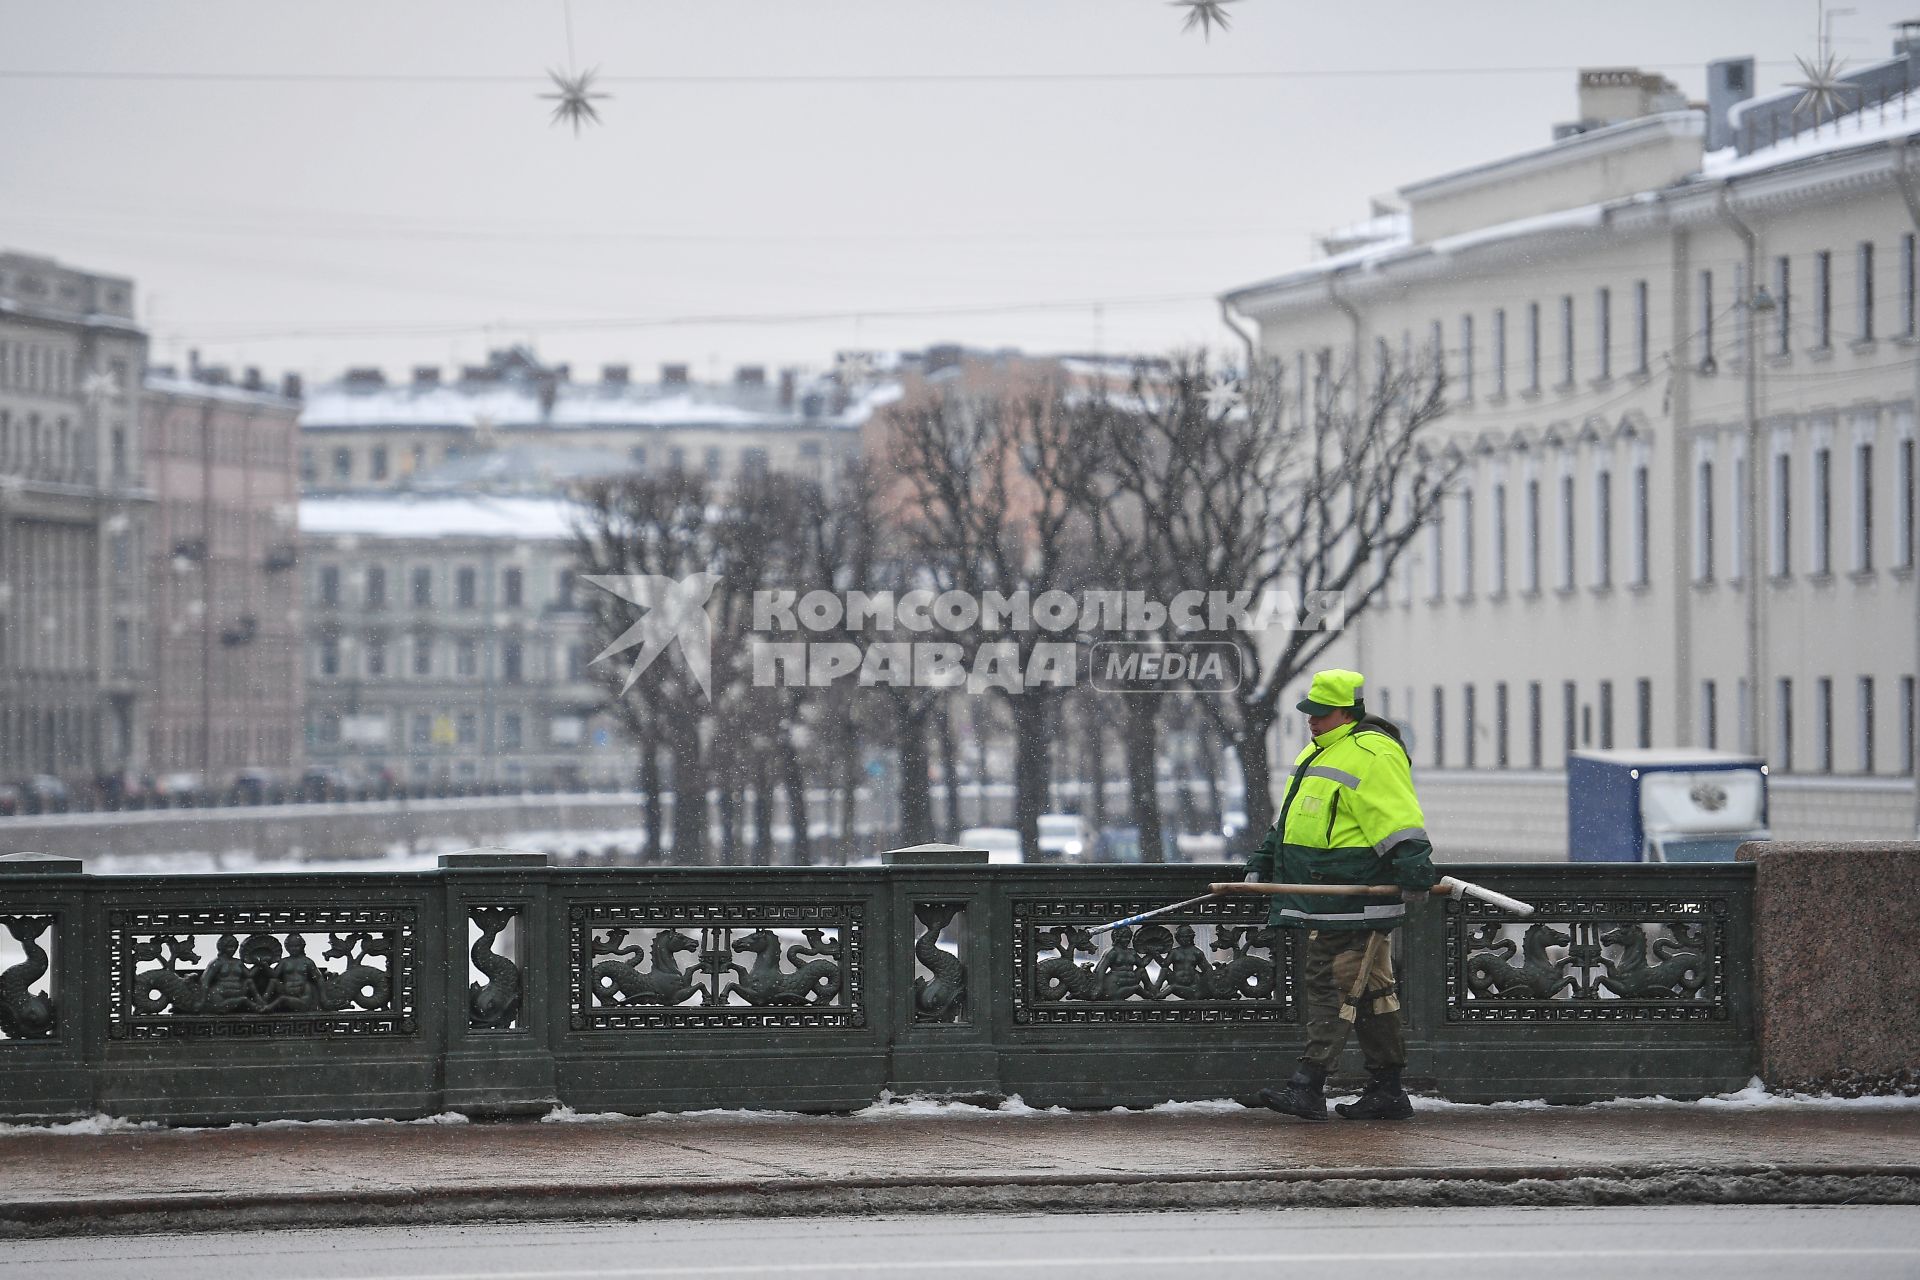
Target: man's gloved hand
{"x":1414,"y":897}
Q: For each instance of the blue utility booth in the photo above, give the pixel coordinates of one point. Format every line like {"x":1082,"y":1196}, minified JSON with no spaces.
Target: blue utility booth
{"x":1676,"y":805}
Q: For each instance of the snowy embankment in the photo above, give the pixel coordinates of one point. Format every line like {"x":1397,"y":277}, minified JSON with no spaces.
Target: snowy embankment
{"x":1755,"y":1097}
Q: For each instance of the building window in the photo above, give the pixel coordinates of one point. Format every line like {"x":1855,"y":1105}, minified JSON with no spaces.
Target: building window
{"x":1863,"y":717}
{"x":376,"y":650}
{"x":1903,"y":530}
{"x":1603,"y":526}
{"x":1737,"y":526}
{"x":1907,"y":310}
{"x":466,"y":656}
{"x":510,"y":585}
{"x":1566,"y":529}
{"x":1536,"y":726}
{"x":1643,"y":713}
{"x":1533,"y":534}
{"x":1783,"y":724}
{"x":377,"y":462}
{"x":712,"y":460}
{"x":1566,"y":340}
{"x":422,"y":655}
{"x":1906,"y":724}
{"x":329,"y":655}
{"x":1603,"y":331}
{"x":1642,"y":328}
{"x":466,"y":587}
{"x":510,"y":731}
{"x":1823,"y":724}
{"x":1863,"y":290}
{"x":1533,"y":346}
{"x":1436,"y":546}
{"x":1465,"y":552}
{"x":1467,"y":726}
{"x":1783,"y":305}
{"x":421,"y":733}
{"x":309,"y":469}
{"x":1743,"y":709}
{"x":1703,"y":521}
{"x":753,"y":463}
{"x":1439,"y":727}
{"x":1606,"y":715}
{"x":1822,"y":530}
{"x":563,"y":589}
{"x":1570,"y":716}
{"x":1642,"y":525}
{"x":1742,"y":302}
{"x":376,"y":586}
{"x":1863,"y":507}
{"x":1707,"y":363}
{"x":1466,"y":357}
{"x":576,"y":662}
{"x":511,"y":663}
{"x":1709,"y":716}
{"x":467,"y":729}
{"x":1781,"y":515}
{"x":1499,"y":353}
{"x":1500,"y":726}
{"x":422,"y":588}
{"x":1822,"y":300}
{"x":1499,"y":549}
{"x":343,"y":464}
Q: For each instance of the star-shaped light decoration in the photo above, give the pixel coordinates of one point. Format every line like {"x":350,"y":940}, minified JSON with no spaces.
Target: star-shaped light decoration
{"x":99,"y":387}
{"x":574,"y":103}
{"x":1823,"y":90}
{"x":1204,"y":14}
{"x":1223,"y":395}
{"x":855,"y":368}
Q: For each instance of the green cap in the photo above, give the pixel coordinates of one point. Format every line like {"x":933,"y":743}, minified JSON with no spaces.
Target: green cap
{"x":1333,"y":690}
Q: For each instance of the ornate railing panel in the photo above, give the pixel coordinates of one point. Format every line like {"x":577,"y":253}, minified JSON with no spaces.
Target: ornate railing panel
{"x":717,"y":965}
{"x":1603,"y":958}
{"x":1218,"y":962}
{"x":500,"y":984}
{"x":262,"y":972}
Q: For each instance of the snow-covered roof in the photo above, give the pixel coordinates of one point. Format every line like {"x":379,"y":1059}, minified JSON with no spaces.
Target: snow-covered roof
{"x":1899,"y":117}
{"x":162,"y":384}
{"x":422,"y":516}
{"x":520,"y":405}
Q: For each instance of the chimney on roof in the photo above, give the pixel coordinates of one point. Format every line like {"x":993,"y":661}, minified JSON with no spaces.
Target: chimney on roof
{"x":364,"y":377}
{"x":251,"y":380}
{"x":673,"y":375}
{"x":291,"y":386}
{"x":789,"y":379}
{"x":426,"y":375}
{"x":476,"y":373}
{"x":215,"y":375}
{"x":615,"y":375}
{"x":750,"y":375}
{"x":193,"y":363}
{"x":1614,"y":95}
{"x":1729,"y":83}
{"x":163,"y":371}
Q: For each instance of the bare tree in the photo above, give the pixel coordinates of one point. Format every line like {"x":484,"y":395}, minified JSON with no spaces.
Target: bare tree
{"x":1256,"y":488}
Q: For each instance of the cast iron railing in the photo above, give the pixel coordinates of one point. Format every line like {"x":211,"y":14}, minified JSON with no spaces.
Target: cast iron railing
{"x":502,"y":985}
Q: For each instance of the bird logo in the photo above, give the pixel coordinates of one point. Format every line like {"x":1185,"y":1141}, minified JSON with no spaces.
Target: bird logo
{"x":675,"y":610}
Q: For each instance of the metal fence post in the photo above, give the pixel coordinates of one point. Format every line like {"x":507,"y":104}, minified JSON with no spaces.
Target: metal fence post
{"x":47,"y":1034}
{"x":500,"y":1015}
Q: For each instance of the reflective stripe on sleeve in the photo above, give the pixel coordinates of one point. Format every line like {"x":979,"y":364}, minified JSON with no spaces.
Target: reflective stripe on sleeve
{"x":1405,"y":833}
{"x":1340,"y":776}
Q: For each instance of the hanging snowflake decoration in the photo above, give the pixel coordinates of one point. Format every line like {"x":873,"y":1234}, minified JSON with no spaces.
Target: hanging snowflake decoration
{"x":100,"y":388}
{"x":1823,"y":91}
{"x":574,"y":103}
{"x":1223,"y":395}
{"x":1205,"y":14}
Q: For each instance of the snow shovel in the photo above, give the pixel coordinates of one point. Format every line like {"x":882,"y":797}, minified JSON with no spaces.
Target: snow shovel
{"x":1449,"y":886}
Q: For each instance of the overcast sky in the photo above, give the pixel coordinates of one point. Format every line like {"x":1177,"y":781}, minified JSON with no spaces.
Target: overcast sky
{"x":314,"y":185}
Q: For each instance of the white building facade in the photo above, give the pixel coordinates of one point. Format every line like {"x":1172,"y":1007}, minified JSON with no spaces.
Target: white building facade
{"x":1681,"y":394}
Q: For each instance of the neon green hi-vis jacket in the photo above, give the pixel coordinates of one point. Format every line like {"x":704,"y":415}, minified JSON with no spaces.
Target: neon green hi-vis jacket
{"x":1350,"y":817}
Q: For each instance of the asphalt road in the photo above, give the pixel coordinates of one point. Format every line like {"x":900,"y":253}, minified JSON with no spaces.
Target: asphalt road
{"x":1747,"y":1242}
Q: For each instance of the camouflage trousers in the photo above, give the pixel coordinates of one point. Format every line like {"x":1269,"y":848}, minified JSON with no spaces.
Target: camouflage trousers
{"x":1333,"y":963}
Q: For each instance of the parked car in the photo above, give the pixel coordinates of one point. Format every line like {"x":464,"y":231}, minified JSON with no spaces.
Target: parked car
{"x":325,"y":782}
{"x":9,"y":800}
{"x":253,"y":786}
{"x":1001,"y":843}
{"x":44,"y":793}
{"x":1122,"y":844}
{"x":1063,"y":837}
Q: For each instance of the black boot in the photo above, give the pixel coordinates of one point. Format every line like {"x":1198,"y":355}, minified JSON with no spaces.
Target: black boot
{"x":1382,"y":1099}
{"x":1303,"y":1096}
